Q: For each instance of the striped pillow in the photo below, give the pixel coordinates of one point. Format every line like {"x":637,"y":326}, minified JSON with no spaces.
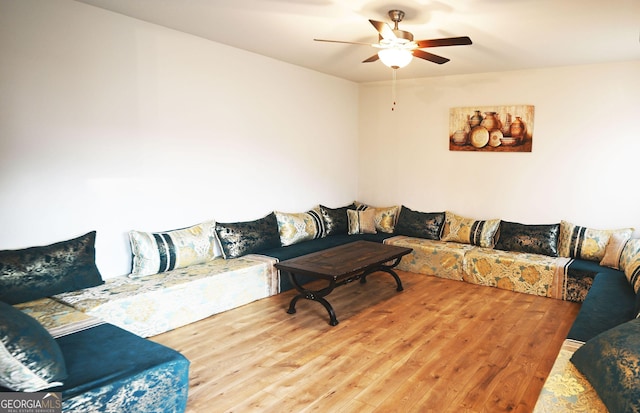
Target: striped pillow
{"x":586,"y":243}
{"x":156,"y":252}
{"x":301,"y":226}
{"x":630,"y":263}
{"x":469,"y":231}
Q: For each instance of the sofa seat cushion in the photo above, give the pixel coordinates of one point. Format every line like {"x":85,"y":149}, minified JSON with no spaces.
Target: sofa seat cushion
{"x":566,"y":389}
{"x":157,"y":303}
{"x":112,"y":370}
{"x":57,"y":318}
{"x":610,"y":302}
{"x":431,"y":257}
{"x":579,"y":275}
{"x":515,"y":271}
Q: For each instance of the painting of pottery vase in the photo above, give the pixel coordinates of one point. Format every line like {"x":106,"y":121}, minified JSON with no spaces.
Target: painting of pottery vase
{"x":491,"y":128}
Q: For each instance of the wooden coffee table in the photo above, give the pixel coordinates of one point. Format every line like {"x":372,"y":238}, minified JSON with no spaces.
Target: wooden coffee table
{"x":339,"y":266}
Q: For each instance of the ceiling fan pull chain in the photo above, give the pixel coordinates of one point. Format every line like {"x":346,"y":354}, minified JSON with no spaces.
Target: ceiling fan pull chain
{"x":393,"y":90}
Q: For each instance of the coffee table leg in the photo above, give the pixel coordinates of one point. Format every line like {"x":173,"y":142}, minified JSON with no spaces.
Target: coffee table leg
{"x":314,"y":296}
{"x":389,"y":270}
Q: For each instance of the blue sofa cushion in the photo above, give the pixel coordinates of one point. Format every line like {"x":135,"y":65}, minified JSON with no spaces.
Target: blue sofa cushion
{"x":111,"y":369}
{"x":580,"y":274}
{"x":611,"y":363}
{"x":308,"y":247}
{"x":417,"y":224}
{"x":610,"y":302}
{"x":241,"y":238}
{"x":37,"y":272}
{"x":533,"y":239}
{"x":30,"y":359}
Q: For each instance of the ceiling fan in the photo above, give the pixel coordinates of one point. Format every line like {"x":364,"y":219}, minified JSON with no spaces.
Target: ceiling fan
{"x":397,"y":47}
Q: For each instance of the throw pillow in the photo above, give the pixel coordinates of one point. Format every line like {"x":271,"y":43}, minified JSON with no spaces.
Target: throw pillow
{"x":533,"y":239}
{"x":613,"y":251}
{"x":335,"y":219}
{"x":585,"y":243}
{"x":469,"y":231}
{"x":385,"y":217}
{"x":630,"y":263}
{"x":361,"y":222}
{"x":38,"y":272}
{"x":298,"y":227}
{"x":30,"y":359}
{"x":156,"y":252}
{"x":426,"y":225}
{"x":241,"y":238}
{"x":611,"y":363}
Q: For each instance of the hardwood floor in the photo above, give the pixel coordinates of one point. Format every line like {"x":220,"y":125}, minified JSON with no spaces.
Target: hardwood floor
{"x":437,"y":346}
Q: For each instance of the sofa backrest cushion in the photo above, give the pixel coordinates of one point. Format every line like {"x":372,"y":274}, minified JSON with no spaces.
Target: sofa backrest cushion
{"x":427,"y":225}
{"x":156,"y":252}
{"x":533,"y":239}
{"x":630,"y":263}
{"x":241,"y":238}
{"x":362,"y":222}
{"x":385,"y":218}
{"x":469,"y":231}
{"x":613,"y":251}
{"x":587,"y":243}
{"x":31,"y":359}
{"x":300,"y":226}
{"x":335,"y":219}
{"x":38,"y":272}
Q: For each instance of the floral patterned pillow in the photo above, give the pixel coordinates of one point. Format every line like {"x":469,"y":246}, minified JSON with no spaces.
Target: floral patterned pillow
{"x":586,"y":243}
{"x":469,"y":231}
{"x":298,"y":227}
{"x":156,"y":252}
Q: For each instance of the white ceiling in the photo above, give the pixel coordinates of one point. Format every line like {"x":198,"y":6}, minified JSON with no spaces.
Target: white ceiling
{"x":506,"y":34}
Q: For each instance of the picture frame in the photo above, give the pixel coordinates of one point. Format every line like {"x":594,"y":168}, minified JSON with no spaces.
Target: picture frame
{"x":506,"y":128}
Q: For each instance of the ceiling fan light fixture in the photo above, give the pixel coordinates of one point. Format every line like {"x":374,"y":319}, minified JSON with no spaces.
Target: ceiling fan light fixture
{"x":395,"y":58}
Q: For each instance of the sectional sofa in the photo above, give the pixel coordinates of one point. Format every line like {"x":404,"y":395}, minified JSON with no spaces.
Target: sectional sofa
{"x":213,"y":266}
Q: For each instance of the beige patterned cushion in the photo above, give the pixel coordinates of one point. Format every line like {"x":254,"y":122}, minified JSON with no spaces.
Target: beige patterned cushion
{"x":164,"y":251}
{"x":385,"y":217}
{"x":361,"y":222}
{"x":630,"y":263}
{"x":586,"y":243}
{"x":298,"y":227}
{"x":613,"y":251}
{"x":469,"y":231}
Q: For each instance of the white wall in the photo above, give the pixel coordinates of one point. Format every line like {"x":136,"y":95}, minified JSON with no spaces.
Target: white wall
{"x":584,"y":163}
{"x":108,"y":123}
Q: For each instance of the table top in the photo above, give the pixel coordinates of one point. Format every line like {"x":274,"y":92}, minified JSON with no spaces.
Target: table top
{"x":343,"y":260}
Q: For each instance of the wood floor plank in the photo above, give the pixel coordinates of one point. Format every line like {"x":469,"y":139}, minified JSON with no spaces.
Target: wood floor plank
{"x":439,"y":345}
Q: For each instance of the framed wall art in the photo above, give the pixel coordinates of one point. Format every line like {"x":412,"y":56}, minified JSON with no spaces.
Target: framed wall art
{"x":491,"y":128}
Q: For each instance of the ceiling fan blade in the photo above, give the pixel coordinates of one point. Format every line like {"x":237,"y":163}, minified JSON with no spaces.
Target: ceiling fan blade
{"x":342,"y":41}
{"x":371,"y":59}
{"x":430,"y":57}
{"x":448,"y":41}
{"x":384,"y":29}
